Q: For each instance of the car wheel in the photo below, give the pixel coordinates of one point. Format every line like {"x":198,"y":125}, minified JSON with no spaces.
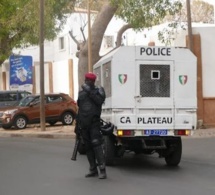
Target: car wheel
{"x":6,"y":126}
{"x":174,"y":158}
{"x":67,"y":118}
{"x":20,"y":122}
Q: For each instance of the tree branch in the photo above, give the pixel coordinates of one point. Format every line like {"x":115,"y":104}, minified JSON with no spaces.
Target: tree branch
{"x":98,"y":29}
{"x":82,"y":32}
{"x":73,"y":38}
{"x":79,"y":44}
{"x":120,"y":33}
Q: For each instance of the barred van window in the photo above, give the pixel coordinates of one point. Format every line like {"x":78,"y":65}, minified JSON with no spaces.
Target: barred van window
{"x":155,"y":80}
{"x":97,"y":71}
{"x":106,"y":71}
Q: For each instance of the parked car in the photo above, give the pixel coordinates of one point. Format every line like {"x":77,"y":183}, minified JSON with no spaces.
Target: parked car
{"x":10,"y":98}
{"x":58,"y":107}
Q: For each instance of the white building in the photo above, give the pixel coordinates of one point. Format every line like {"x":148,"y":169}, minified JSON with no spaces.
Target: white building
{"x":61,"y":68}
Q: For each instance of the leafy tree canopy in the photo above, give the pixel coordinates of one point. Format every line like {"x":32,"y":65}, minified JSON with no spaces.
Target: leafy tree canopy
{"x":19,"y":25}
{"x":200,"y":12}
{"x":146,"y":13}
{"x":19,"y":22}
{"x":137,"y":14}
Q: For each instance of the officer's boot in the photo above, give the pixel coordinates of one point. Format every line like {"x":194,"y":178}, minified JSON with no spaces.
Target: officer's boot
{"x":93,"y":166}
{"x":100,"y":157}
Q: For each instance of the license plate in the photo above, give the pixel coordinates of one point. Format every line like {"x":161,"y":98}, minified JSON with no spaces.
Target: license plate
{"x":155,"y":132}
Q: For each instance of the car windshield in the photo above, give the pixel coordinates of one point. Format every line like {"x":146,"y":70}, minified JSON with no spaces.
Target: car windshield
{"x":26,"y":101}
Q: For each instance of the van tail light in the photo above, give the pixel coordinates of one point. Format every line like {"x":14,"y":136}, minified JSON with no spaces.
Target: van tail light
{"x":183,"y":132}
{"x":125,"y":132}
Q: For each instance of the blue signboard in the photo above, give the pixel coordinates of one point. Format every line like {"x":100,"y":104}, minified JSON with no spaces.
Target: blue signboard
{"x":21,"y":75}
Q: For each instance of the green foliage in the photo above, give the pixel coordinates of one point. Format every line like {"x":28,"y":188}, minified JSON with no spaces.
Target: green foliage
{"x":19,"y":22}
{"x":200,"y":12}
{"x":94,"y":4}
{"x":145,"y":13}
{"x":167,"y":35}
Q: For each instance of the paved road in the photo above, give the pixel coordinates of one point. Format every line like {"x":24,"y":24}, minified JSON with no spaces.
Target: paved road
{"x":34,"y":166}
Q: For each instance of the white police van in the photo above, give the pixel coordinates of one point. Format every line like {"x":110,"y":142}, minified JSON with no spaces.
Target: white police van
{"x":151,"y":98}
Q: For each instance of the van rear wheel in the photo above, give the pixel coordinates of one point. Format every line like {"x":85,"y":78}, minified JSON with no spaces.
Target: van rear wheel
{"x":174,"y":158}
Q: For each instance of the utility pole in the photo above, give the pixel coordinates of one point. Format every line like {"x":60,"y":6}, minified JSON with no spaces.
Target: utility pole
{"x":214,"y":11}
{"x":90,"y":68}
{"x":189,"y":22}
{"x":41,"y":43}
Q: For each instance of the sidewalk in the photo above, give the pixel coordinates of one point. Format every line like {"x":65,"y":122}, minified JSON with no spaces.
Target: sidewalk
{"x":205,"y":132}
{"x":67,"y":132}
{"x":34,"y":131}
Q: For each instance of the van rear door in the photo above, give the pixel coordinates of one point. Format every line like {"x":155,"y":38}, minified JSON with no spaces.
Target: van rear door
{"x":154,"y":97}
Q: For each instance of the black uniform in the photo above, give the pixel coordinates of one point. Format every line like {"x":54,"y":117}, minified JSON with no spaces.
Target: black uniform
{"x":90,"y":101}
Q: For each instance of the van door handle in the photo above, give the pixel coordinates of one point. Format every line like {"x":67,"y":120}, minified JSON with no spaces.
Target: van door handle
{"x":138,"y":98}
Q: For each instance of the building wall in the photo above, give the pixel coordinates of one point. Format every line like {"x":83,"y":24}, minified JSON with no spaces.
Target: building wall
{"x":206,"y":33}
{"x":37,"y":78}
{"x":209,"y":110}
{"x":63,"y":61}
{"x":59,"y":77}
{"x":206,"y":105}
{"x":61,"y":74}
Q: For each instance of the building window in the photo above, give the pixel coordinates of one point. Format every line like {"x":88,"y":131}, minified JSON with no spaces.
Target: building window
{"x":61,"y":43}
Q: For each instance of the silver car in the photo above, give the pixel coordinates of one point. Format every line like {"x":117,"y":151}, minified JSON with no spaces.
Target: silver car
{"x":10,"y":98}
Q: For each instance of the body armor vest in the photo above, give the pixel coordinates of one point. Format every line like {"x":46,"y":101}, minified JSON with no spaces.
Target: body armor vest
{"x":89,"y":109}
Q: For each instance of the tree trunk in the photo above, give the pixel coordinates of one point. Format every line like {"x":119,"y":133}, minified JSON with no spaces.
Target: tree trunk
{"x":5,"y":49}
{"x":119,"y":34}
{"x":97,"y":32}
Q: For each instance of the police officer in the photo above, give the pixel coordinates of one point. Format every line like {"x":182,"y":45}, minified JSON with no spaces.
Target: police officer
{"x":90,"y":100}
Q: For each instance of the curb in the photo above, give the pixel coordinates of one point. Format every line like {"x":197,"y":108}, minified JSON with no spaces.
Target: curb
{"x":67,"y":133}
{"x":42,"y":135}
{"x":200,"y":133}
{"x":34,"y":131}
